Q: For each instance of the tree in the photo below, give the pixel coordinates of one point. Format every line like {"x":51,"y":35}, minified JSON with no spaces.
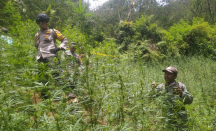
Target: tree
{"x":9,"y":13}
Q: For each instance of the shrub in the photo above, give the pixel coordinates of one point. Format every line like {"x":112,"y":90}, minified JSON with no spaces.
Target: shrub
{"x":146,"y":51}
{"x":124,"y":31}
{"x":185,"y":39}
{"x":147,"y":30}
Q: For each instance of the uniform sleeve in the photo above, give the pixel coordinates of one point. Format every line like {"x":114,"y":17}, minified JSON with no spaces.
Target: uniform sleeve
{"x":186,"y":96}
{"x":61,"y":38}
{"x":80,"y":60}
{"x":157,"y":91}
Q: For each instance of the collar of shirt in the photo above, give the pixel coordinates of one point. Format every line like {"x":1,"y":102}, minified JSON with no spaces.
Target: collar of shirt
{"x":171,"y":84}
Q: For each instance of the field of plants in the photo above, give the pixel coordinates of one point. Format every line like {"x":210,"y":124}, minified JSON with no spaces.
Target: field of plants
{"x":112,"y":91}
{"x":126,"y":44}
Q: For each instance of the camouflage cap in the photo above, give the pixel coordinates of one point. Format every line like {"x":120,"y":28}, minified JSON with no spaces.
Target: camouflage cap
{"x":171,"y":70}
{"x":73,"y":43}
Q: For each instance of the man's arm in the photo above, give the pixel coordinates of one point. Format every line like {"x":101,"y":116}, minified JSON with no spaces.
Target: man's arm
{"x":36,"y":41}
{"x":80,"y":60}
{"x":63,"y":45}
{"x":186,"y":96}
{"x":156,"y":90}
{"x":64,"y":41}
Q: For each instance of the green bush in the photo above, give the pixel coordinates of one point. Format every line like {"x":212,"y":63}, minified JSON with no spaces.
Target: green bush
{"x":124,"y":31}
{"x":98,"y":36}
{"x":74,"y":35}
{"x":132,"y":35}
{"x":148,"y":30}
{"x":113,"y":92}
{"x":145,"y":50}
{"x":185,"y":39}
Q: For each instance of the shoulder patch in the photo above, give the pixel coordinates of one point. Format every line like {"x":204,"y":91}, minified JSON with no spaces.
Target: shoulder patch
{"x":58,"y":34}
{"x":37,"y":37}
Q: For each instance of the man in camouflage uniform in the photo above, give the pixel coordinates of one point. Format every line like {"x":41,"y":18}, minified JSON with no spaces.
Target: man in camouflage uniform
{"x":175,"y":95}
{"x":72,"y":63}
{"x":45,"y":43}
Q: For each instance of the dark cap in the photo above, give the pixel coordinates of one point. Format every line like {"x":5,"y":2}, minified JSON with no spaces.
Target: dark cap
{"x":42,"y":18}
{"x":171,"y":70}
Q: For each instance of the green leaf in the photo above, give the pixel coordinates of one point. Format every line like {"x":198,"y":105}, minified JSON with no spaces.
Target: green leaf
{"x":83,"y":8}
{"x":77,"y":124}
{"x":80,"y":5}
{"x":77,"y":10}
{"x":89,"y":14}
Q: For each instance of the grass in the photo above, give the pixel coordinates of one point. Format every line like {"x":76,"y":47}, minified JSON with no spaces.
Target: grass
{"x":113,"y":94}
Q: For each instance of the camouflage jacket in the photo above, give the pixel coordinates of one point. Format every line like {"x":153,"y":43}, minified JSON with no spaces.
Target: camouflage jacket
{"x":167,"y":92}
{"x":46,"y":40}
{"x":71,"y":60}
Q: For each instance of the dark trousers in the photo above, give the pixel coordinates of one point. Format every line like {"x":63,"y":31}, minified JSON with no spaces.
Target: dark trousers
{"x":47,"y":66}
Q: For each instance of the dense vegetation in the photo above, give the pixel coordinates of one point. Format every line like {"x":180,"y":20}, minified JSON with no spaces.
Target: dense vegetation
{"x":126,"y":54}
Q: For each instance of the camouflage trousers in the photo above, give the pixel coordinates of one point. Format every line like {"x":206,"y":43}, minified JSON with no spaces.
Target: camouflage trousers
{"x":71,"y":79}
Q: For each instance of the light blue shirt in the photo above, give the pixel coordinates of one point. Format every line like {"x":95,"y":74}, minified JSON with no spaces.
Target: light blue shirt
{"x":8,"y":39}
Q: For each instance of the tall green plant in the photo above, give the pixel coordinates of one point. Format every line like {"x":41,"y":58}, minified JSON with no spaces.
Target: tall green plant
{"x":81,"y":17}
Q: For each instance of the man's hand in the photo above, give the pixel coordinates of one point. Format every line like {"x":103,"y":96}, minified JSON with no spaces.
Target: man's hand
{"x":55,"y":50}
{"x":153,"y":85}
{"x":179,"y":90}
{"x":61,"y":48}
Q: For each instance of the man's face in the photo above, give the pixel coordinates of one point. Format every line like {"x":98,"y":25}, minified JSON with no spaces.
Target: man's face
{"x":72,"y":48}
{"x":43,"y":25}
{"x":169,"y":77}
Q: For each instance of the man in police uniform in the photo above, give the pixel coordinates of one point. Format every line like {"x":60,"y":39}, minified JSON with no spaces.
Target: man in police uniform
{"x":175,"y":95}
{"x":45,"y":43}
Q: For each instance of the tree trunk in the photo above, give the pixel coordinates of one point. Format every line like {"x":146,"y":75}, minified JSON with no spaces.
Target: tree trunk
{"x":129,"y":13}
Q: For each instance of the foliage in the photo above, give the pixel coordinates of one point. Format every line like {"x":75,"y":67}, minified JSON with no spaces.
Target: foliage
{"x":9,"y":13}
{"x":124,"y":30}
{"x":113,"y":92}
{"x":98,"y":36}
{"x":146,"y":51}
{"x":110,"y":14}
{"x":107,"y":47}
{"x":148,"y":30}
{"x":81,"y":16}
{"x":204,"y":9}
{"x":198,"y":38}
{"x":141,"y":39}
{"x":124,"y":34}
{"x":74,"y":35}
{"x":113,"y":88}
